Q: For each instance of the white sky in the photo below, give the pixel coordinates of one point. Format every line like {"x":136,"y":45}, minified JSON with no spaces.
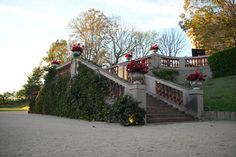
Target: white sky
{"x":28,"y":27}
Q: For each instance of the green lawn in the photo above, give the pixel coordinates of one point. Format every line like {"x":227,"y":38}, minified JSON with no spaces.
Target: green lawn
{"x":22,"y":106}
{"x":220,"y":94}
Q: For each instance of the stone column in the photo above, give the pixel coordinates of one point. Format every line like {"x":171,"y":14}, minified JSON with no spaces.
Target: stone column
{"x":138,"y":92}
{"x":181,"y":62}
{"x":195,"y":103}
{"x":73,"y":67}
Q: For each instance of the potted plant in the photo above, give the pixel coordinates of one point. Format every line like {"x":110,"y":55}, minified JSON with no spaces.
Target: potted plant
{"x":55,"y":63}
{"x":35,"y":93}
{"x":77,"y":49}
{"x":154,"y":48}
{"x":195,"y":79}
{"x":128,"y":56}
{"x":137,"y":69}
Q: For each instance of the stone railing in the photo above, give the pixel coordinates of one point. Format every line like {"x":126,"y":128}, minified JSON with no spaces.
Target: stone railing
{"x":184,"y":65}
{"x":189,"y":101}
{"x":182,"y":62}
{"x":63,"y":69}
{"x":118,"y":86}
{"x":120,"y":69}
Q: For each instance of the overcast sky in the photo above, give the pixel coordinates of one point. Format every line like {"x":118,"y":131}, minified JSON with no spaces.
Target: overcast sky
{"x":28,"y":27}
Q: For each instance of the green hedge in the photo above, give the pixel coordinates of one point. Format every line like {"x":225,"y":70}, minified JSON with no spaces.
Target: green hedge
{"x":83,"y":97}
{"x":223,"y":63}
{"x":166,"y":74}
{"x":123,"y":109}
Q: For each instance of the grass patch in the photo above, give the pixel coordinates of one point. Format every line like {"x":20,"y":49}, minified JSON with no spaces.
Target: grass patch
{"x":220,"y":94}
{"x":22,"y":106}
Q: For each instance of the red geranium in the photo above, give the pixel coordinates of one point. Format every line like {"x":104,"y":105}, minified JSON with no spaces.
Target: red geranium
{"x":136,"y":66}
{"x":154,"y":47}
{"x":57,"y":62}
{"x":35,"y":93}
{"x":77,"y":47}
{"x":128,"y":55}
{"x":196,"y":76}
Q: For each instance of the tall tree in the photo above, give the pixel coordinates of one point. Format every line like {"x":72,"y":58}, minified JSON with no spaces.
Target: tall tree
{"x":143,"y":42}
{"x":6,"y":97}
{"x":121,"y":40}
{"x":172,"y":42}
{"x":211,"y":24}
{"x":91,"y":28}
{"x":34,"y":81}
{"x":58,"y":50}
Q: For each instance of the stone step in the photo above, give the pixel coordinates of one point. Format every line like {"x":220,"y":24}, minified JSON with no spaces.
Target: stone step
{"x":169,"y":119}
{"x":151,"y":110}
{"x":157,"y":115}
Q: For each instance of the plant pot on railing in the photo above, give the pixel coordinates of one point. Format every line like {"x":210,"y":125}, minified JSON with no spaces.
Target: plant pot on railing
{"x":55,"y":63}
{"x":195,"y":79}
{"x":128,"y":56}
{"x":76,"y":54}
{"x":77,"y":50}
{"x":137,"y":78}
{"x":195,"y":84}
{"x":154,"y":48}
{"x":137,"y":70}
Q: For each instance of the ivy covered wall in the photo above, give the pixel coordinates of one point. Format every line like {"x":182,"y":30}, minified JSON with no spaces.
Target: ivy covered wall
{"x":83,"y":97}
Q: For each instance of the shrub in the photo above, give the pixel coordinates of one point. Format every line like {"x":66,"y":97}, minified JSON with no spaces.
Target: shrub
{"x":223,"y":63}
{"x":124,"y":108}
{"x":80,"y":97}
{"x":166,"y":74}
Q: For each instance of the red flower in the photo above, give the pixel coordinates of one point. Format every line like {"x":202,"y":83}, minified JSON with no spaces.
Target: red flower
{"x":128,"y":55}
{"x":154,"y":47}
{"x":56,"y":62}
{"x":137,"y":66}
{"x":76,"y":47}
{"x":35,"y":93}
{"x":196,"y":76}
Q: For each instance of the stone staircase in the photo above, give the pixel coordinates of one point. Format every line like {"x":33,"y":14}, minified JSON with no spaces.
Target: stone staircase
{"x":159,"y":112}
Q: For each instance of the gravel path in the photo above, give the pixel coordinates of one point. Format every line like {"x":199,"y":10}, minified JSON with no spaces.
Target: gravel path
{"x":31,"y":135}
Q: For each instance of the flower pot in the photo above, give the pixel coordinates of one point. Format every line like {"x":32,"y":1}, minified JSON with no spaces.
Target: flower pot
{"x":154,"y":51}
{"x":128,"y":58}
{"x":76,"y":54}
{"x":195,"y":84}
{"x":55,"y":65}
{"x":137,"y":78}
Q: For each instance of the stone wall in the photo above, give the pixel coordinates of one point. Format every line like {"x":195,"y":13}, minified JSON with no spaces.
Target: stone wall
{"x":213,"y":115}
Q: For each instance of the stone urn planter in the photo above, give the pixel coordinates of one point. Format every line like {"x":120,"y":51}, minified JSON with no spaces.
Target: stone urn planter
{"x":137,"y":78}
{"x":76,"y":54}
{"x":195,"y":84}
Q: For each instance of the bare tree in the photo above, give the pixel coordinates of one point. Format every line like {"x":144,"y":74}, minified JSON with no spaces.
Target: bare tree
{"x":91,"y":28}
{"x":121,"y":41}
{"x":172,"y":42}
{"x":143,"y":42}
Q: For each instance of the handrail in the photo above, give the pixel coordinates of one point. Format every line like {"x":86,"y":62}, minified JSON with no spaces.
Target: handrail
{"x":175,"y":95}
{"x":111,"y":76}
{"x":162,"y":61}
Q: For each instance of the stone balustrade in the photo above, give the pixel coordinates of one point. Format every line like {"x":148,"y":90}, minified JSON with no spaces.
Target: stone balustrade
{"x":184,"y":65}
{"x":189,"y":101}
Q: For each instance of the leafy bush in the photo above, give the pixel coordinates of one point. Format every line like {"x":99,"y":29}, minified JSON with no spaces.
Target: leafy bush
{"x":166,"y":74}
{"x":80,"y":97}
{"x":87,"y":93}
{"x":124,"y":108}
{"x":32,"y":105}
{"x":223,"y":63}
{"x":83,"y":97}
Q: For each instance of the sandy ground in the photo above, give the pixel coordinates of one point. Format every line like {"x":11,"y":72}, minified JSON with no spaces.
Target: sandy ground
{"x":30,"y":135}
